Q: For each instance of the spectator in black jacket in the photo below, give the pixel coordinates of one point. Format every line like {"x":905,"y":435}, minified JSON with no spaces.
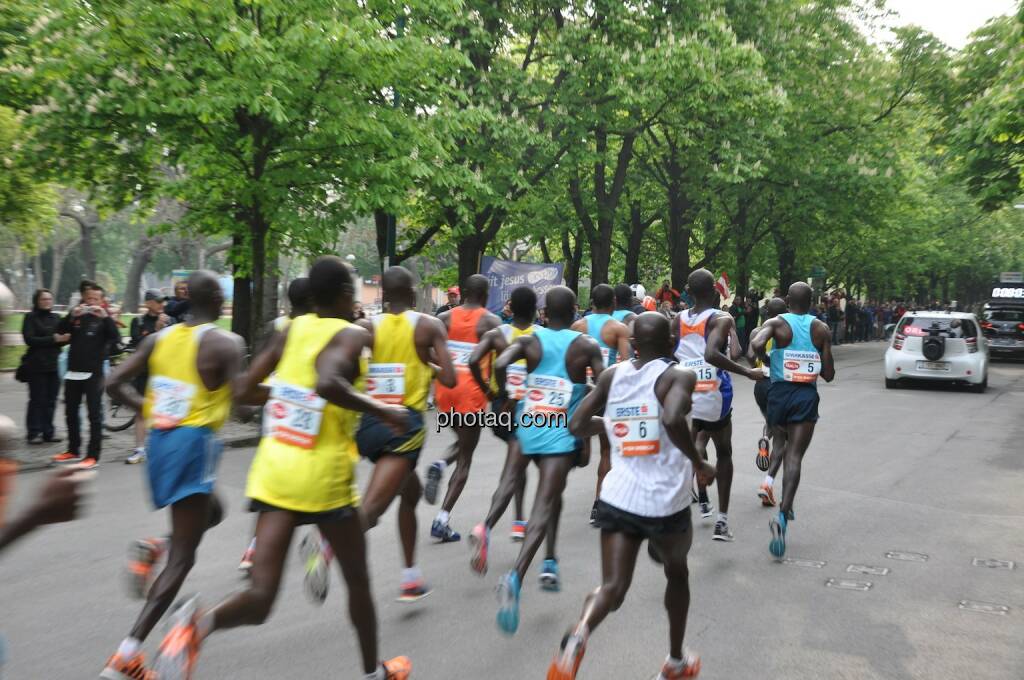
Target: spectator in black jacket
{"x":92,"y":331}
{"x":39,"y":330}
{"x":179,"y":307}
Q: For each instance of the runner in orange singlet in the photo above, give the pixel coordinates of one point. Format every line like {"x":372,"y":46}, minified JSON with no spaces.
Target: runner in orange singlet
{"x":466,"y":324}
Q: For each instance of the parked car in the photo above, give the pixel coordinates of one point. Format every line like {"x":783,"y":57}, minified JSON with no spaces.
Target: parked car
{"x":1003,"y":328}
{"x":938,"y":346}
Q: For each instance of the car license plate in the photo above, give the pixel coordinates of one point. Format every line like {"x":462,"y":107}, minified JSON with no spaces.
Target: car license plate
{"x":1003,"y":342}
{"x":933,"y":365}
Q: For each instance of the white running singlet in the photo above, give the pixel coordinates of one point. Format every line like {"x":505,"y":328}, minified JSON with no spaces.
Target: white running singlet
{"x":709,"y":403}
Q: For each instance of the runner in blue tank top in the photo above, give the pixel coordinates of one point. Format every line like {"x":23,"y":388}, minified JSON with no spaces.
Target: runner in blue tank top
{"x":801,"y":351}
{"x":557,"y":359}
{"x":623,"y":304}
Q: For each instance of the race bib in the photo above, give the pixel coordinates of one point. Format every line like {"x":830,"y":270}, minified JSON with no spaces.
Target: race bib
{"x":547,"y":394}
{"x":707,"y":376}
{"x":800,"y":367}
{"x":386,"y":382}
{"x":172,"y":401}
{"x":460,"y":352}
{"x":636,"y":428}
{"x":515,"y":381}
{"x":604,"y":356}
{"x":293,"y":415}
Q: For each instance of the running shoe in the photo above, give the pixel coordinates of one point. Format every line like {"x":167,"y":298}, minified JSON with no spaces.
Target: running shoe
{"x":567,"y":662}
{"x":142,"y":556}
{"x":435,"y":473}
{"x":413,"y":591}
{"x":318,"y":577}
{"x":89,"y":464}
{"x":518,"y":531}
{"x":767,"y":495}
{"x":549,"y":576}
{"x":479,"y":541}
{"x":763,"y":458}
{"x":131,"y":668}
{"x":66,"y":457}
{"x":706,"y":510}
{"x":398,"y":668}
{"x":690,"y":668}
{"x":777,"y":546}
{"x":179,"y":650}
{"x":593,"y":515}
{"x":138,"y":456}
{"x":508,"y":603}
{"x":694,"y":497}
{"x":247,"y":557}
{"x":444,"y":533}
{"x":722,"y":532}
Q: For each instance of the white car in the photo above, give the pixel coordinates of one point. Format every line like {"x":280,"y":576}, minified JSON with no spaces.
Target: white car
{"x":938,"y":346}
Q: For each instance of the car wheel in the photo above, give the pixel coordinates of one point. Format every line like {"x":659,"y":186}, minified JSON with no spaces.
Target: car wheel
{"x":980,"y":387}
{"x":890,"y":384}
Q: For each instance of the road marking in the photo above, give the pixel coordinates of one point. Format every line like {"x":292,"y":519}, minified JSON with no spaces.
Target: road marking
{"x":847,"y":584}
{"x":813,"y":564}
{"x":867,"y":570}
{"x":984,"y":607}
{"x":992,"y":564}
{"x":906,"y":556}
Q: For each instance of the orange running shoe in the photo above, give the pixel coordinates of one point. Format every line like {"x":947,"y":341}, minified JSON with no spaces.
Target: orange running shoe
{"x":567,"y":663}
{"x":398,"y":668}
{"x":132,"y":668}
{"x":142,"y":556}
{"x":179,"y":650}
{"x":88,"y":464}
{"x":767,"y":495}
{"x":690,"y":668}
{"x":66,"y":457}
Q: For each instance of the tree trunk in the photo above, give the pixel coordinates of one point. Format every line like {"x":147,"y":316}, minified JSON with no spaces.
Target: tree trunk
{"x":573,"y":256}
{"x":88,"y":253}
{"x":380,"y":221}
{"x":258,"y":258}
{"x":470,"y":252}
{"x":241,"y":306}
{"x":140,"y":260}
{"x":787,"y":260}
{"x":634,"y":241}
{"x":37,"y":270}
{"x":680,"y":231}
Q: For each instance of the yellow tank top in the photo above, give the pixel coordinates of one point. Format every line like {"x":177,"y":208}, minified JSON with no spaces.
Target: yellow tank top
{"x":767,"y":350}
{"x":396,"y":374}
{"x":307,"y":455}
{"x":175,"y":394}
{"x":515,"y":375}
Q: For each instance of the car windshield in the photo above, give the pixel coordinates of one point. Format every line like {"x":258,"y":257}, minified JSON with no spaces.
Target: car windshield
{"x":920,"y":325}
{"x":1005,"y":315}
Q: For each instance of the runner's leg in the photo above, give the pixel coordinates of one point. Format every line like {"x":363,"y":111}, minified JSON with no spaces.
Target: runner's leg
{"x":799,"y":439}
{"x":554,"y":470}
{"x":412,"y":491}
{"x":512,"y":476}
{"x":552,"y":534}
{"x":389,"y":476}
{"x":618,"y":559}
{"x":605,"y":464}
{"x":723,"y":464}
{"x":674,"y":549}
{"x":467,"y":439}
{"x":778,"y":450}
{"x":700,"y":440}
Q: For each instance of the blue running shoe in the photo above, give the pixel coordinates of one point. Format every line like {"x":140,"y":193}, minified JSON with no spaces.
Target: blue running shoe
{"x":549,"y":576}
{"x":508,"y":603}
{"x":435,"y":473}
{"x":444,"y":533}
{"x":777,"y":546}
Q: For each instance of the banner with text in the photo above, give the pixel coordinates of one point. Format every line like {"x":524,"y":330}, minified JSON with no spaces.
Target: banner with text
{"x":506,"y":275}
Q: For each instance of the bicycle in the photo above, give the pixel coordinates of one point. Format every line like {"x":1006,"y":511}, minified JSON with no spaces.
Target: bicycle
{"x":119,"y":417}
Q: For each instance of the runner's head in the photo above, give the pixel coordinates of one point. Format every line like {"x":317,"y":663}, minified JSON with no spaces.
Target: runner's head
{"x":523,"y":303}
{"x":701,"y":284}
{"x":330,"y":283}
{"x":205,"y":293}
{"x":799,"y":297}
{"x":300,"y":296}
{"x":775,"y":307}
{"x":623,"y":297}
{"x":397,"y":284}
{"x":652,"y":336}
{"x":602,"y":298}
{"x":474,"y":291}
{"x":560,"y":303}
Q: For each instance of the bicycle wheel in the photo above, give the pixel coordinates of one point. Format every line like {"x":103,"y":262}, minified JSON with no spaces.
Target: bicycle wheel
{"x":119,"y":418}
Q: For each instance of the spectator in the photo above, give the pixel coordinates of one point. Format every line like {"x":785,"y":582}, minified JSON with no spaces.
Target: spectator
{"x":506,"y":312}
{"x":542,"y":317}
{"x":178,"y":308}
{"x":738,"y":311}
{"x":143,"y":326}
{"x":833,"y":319}
{"x":852,"y":313}
{"x":39,"y":331}
{"x":752,"y":313}
{"x":453,"y":301}
{"x":357,"y":311}
{"x":666,"y":308}
{"x":92,"y":331}
{"x":667,"y":294}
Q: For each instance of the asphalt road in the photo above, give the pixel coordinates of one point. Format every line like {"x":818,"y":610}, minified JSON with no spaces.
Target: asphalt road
{"x":923,"y":472}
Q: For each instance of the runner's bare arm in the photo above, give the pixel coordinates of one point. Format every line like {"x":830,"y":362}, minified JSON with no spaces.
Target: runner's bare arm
{"x":721,"y":325}
{"x":821,"y":336}
{"x":492,"y":341}
{"x":623,"y":345}
{"x":445,"y":368}
{"x":674,"y":390}
{"x":119,"y":381}
{"x":594,"y":358}
{"x":735,"y":351}
{"x":249,"y":389}
{"x":759,"y":341}
{"x":585,"y":422}
{"x":513,"y":353}
{"x":337,"y":366}
{"x":580,"y":325}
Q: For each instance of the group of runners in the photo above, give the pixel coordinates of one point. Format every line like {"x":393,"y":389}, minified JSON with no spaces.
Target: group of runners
{"x":655,"y":392}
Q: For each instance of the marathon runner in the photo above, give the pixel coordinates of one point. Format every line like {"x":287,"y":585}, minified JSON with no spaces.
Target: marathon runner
{"x":557,"y":359}
{"x":623,"y":304}
{"x":776,"y":435}
{"x":407,"y":348}
{"x":646,"y":494}
{"x":612,"y":337}
{"x":465,"y":324}
{"x":188,"y":398}
{"x":801,"y":351}
{"x":523,"y":303}
{"x":701,"y":337}
{"x":303,"y":472}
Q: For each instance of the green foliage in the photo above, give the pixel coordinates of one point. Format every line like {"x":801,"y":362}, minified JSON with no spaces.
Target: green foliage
{"x":27,"y":206}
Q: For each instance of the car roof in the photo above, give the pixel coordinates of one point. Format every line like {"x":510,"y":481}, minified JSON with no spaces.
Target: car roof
{"x":949,"y":315}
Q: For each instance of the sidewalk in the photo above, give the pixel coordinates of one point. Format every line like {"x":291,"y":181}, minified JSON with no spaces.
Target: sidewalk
{"x":116,"y":446}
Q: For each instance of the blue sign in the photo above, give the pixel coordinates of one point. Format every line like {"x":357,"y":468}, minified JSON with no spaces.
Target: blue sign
{"x":505,"y":276}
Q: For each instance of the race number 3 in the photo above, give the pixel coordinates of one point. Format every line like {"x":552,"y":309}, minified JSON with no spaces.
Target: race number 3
{"x":707,"y":376}
{"x":293,"y":415}
{"x":800,"y":367}
{"x":172,"y":401}
{"x":636,"y":428}
{"x":386,"y":382}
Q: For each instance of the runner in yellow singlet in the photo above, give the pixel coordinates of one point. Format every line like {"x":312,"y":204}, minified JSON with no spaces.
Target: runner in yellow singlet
{"x":776,"y":435}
